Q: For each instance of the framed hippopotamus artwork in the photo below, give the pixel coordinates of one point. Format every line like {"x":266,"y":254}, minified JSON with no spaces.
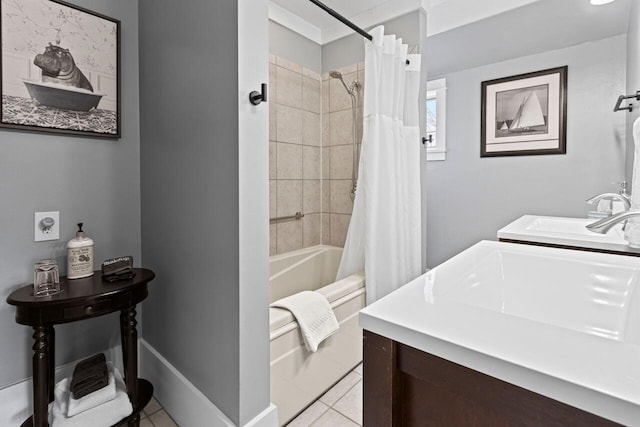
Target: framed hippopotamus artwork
{"x":60,"y":69}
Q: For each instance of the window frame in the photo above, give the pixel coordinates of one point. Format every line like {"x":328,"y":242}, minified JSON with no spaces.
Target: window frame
{"x":438,"y":89}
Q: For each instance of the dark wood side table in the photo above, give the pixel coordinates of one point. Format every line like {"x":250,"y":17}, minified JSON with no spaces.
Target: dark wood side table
{"x":83,"y":299}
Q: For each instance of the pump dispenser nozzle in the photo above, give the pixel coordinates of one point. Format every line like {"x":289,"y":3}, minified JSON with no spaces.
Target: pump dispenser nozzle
{"x":80,"y":233}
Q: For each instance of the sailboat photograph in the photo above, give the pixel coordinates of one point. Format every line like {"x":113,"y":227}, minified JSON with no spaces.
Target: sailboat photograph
{"x":524,"y":114}
{"x":522,"y":111}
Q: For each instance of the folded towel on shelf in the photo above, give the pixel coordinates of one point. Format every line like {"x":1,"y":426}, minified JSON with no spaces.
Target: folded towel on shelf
{"x":89,"y":375}
{"x":91,"y":400}
{"x":315,"y":317}
{"x":104,"y":415}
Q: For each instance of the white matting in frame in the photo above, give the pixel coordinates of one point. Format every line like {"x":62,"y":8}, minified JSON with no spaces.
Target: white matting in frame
{"x":524,"y":114}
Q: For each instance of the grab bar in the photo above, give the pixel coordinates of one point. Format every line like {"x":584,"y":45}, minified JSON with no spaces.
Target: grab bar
{"x":298,"y":215}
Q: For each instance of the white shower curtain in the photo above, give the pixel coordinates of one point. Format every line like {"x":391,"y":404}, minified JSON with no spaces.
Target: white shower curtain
{"x":384,"y":237}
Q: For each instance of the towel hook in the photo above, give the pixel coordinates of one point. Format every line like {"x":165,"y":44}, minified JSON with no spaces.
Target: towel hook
{"x":256,"y":97}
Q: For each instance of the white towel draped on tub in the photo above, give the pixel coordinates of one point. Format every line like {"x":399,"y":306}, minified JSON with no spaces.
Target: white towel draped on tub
{"x":314,"y":315}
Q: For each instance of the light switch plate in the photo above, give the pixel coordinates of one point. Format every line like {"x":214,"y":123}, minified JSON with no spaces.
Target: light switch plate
{"x":46,"y":226}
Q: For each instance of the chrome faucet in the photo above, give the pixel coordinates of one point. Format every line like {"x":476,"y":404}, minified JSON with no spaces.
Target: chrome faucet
{"x":622,"y":195}
{"x":626,"y":200}
{"x":605,"y":224}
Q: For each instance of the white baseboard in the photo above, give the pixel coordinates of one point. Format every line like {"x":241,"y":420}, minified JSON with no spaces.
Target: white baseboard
{"x":16,"y":400}
{"x":267,"y":418}
{"x":183,"y":401}
{"x":16,"y":403}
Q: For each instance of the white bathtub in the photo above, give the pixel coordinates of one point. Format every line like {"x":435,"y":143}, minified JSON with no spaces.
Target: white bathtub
{"x":298,"y":377}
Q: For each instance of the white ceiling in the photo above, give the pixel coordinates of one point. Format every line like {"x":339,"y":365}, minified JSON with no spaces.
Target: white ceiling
{"x":312,"y":22}
{"x":319,"y":18}
{"x":309,"y":20}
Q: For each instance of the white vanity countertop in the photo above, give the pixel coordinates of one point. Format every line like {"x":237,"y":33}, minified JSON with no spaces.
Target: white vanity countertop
{"x":559,"y":322}
{"x":565,"y":231}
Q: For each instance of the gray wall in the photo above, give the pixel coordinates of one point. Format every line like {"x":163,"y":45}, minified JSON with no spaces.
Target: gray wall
{"x":190,"y":193}
{"x":566,"y":23}
{"x":292,"y":46}
{"x":633,"y":82}
{"x":349,"y":50}
{"x":92,"y":180}
{"x":469,"y":198}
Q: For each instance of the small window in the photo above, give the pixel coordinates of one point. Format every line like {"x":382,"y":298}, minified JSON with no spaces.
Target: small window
{"x":436,"y":124}
{"x":432,"y":120}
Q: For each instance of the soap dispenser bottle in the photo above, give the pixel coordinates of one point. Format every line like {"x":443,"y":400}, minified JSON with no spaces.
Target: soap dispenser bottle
{"x":79,"y":256}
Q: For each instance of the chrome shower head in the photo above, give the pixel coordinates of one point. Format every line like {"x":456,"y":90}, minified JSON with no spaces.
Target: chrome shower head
{"x":338,"y":75}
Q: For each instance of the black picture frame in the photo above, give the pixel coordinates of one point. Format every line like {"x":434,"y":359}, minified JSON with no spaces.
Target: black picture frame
{"x":72,"y":85}
{"x":525,"y":114}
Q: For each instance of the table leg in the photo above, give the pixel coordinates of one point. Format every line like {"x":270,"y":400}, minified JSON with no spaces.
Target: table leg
{"x":52,"y":361}
{"x":41,"y":368}
{"x":123,"y":341}
{"x":128,"y":324}
{"x":135,"y":422}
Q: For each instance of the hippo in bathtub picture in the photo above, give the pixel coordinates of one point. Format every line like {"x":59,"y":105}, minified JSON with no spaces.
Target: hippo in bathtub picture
{"x":58,"y":66}
{"x":63,"y":85}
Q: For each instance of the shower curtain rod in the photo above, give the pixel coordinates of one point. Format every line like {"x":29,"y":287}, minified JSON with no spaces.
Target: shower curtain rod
{"x":345,"y":21}
{"x":342,"y":19}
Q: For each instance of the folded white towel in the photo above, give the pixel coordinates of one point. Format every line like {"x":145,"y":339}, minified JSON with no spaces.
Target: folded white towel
{"x":91,"y":400}
{"x":105,"y":415}
{"x":315,"y":317}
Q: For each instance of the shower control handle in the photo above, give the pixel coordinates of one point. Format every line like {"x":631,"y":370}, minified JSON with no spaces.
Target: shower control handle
{"x":256,"y":97}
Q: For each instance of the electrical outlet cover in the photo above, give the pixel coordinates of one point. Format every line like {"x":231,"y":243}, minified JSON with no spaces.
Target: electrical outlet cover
{"x":46,"y":226}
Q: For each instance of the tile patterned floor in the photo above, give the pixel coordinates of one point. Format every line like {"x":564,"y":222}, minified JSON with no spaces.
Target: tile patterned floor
{"x":154,"y":416}
{"x":25,"y":111}
{"x":341,"y":406}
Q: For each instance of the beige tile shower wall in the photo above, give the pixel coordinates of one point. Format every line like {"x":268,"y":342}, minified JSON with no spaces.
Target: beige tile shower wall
{"x":337,"y":152}
{"x":310,"y":154}
{"x":295,"y":141}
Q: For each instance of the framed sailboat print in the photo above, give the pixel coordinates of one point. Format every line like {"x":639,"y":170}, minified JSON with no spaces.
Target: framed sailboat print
{"x":525,"y":115}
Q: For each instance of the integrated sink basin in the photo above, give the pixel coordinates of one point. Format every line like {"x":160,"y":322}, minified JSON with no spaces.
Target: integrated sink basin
{"x":561,"y":231}
{"x":562,"y":288}
{"x":559,"y":322}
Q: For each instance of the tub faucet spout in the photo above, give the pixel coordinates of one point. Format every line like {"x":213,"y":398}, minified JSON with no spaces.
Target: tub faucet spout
{"x":622,"y":197}
{"x":605,"y":224}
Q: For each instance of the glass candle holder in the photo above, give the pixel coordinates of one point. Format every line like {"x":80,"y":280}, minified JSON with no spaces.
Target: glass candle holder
{"x":46,"y":279}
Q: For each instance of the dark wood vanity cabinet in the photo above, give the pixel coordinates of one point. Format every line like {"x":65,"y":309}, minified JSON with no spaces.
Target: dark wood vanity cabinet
{"x":404,"y":386}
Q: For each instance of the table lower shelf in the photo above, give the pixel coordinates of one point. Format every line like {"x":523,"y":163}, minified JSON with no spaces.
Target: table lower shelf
{"x":145,"y":392}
